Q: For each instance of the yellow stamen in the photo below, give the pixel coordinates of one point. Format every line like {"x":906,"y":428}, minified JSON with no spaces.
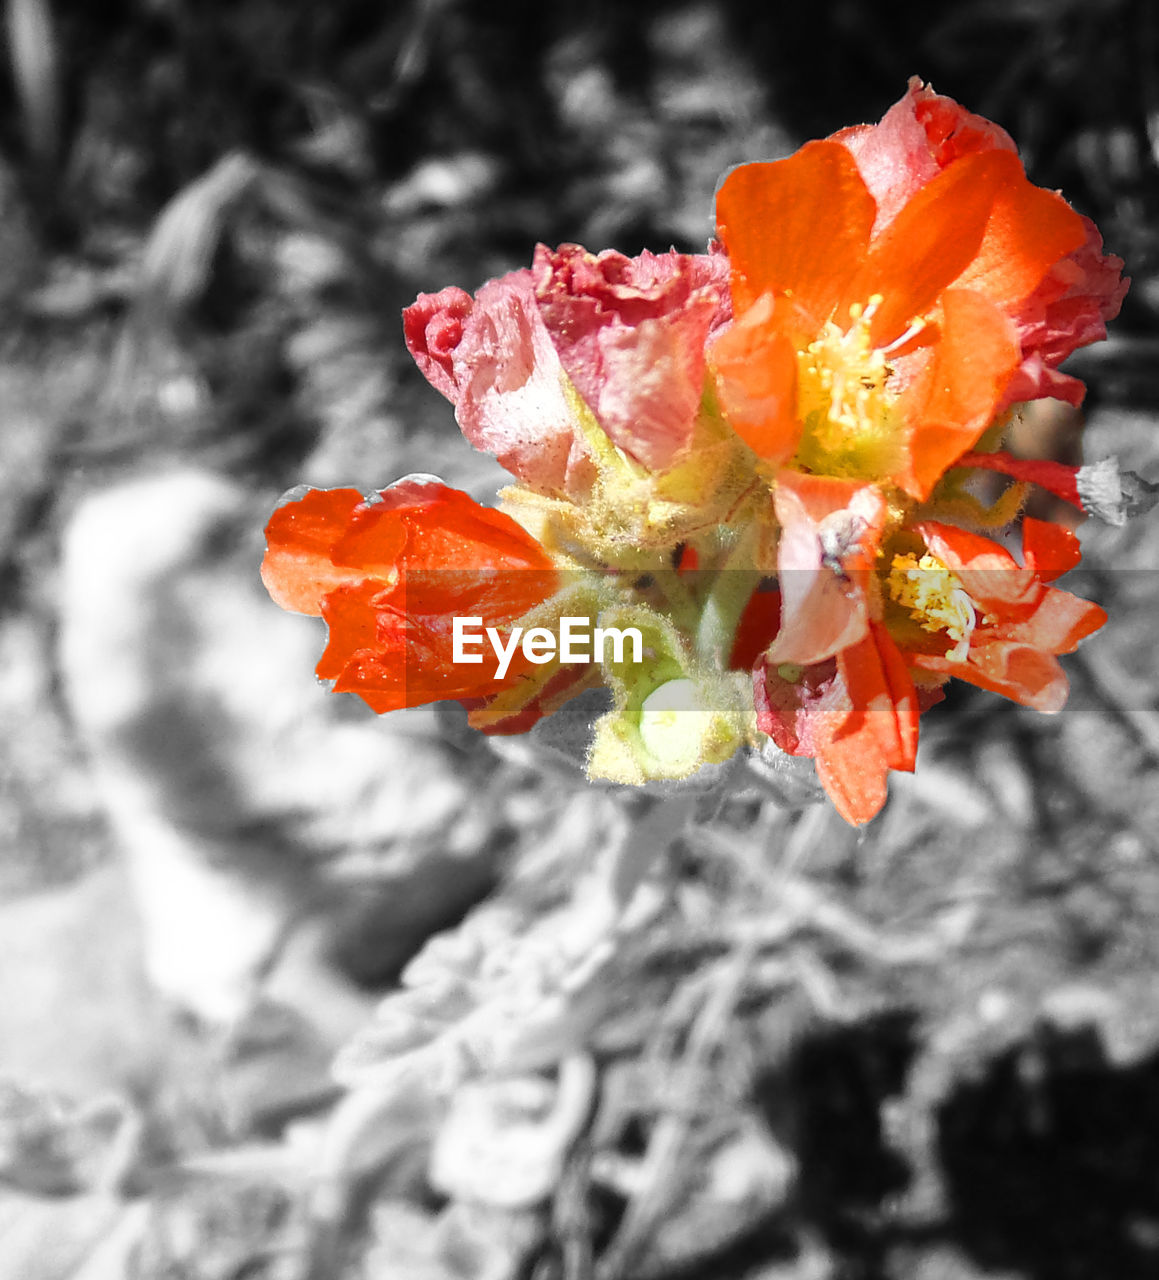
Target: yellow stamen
{"x":916,"y":325}
{"x":936,"y":599}
{"x":842,"y":393}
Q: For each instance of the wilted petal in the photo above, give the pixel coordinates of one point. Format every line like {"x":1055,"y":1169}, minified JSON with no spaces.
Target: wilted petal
{"x":493,"y":358}
{"x":916,"y":139}
{"x":433,"y":329}
{"x":630,"y":333}
{"x":1069,"y":309}
{"x":801,"y":714}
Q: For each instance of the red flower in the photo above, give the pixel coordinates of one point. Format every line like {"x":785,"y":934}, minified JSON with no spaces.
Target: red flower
{"x":851,"y":667}
{"x":388,"y":574}
{"x":892,"y":289}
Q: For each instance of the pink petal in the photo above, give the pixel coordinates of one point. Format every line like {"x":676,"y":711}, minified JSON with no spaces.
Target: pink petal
{"x":830,"y":529}
{"x":494,"y":358}
{"x":630,"y":334}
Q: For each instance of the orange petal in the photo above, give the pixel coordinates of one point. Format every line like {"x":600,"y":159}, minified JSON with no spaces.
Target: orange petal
{"x":878,"y":735}
{"x":1049,"y":549}
{"x":394,"y":658}
{"x":990,"y":575}
{"x":799,"y":225}
{"x":904,"y":695}
{"x":1058,"y":623}
{"x":297,"y":569}
{"x":1029,"y":230}
{"x":360,"y":631}
{"x":954,"y":399}
{"x":445,"y":529}
{"x":857,"y":785}
{"x":854,"y":764}
{"x":1016,"y":670}
{"x":755,"y":373}
{"x":932,"y":241}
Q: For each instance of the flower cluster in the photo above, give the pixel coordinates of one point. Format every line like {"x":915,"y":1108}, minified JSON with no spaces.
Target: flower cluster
{"x":767,"y":458}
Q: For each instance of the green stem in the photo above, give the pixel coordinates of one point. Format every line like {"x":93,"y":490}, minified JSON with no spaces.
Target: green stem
{"x":731,"y":590}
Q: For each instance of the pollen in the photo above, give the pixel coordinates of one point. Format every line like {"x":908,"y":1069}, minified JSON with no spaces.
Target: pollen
{"x":936,"y":599}
{"x":842,"y":377}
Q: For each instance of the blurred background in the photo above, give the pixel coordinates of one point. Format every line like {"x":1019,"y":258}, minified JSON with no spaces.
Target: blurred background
{"x":210,"y":218}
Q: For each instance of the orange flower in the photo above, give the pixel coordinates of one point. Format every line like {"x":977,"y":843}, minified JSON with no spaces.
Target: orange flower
{"x":923,"y":134}
{"x":389,"y":573}
{"x":855,"y":714}
{"x":975,"y":614}
{"x":880,"y":353}
{"x":832,"y":684}
{"x":863,"y":647}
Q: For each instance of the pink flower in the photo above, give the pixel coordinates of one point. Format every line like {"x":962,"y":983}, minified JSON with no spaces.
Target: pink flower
{"x":630,"y":333}
{"x":926,"y":133}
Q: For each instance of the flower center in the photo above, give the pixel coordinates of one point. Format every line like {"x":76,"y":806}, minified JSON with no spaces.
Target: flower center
{"x":844,"y":401}
{"x":842,"y":379}
{"x":936,"y":599}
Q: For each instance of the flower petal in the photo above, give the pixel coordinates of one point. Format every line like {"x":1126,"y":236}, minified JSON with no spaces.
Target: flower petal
{"x":904,"y":696}
{"x":932,"y":241}
{"x":298,"y":570}
{"x":917,"y":138}
{"x":987,"y":571}
{"x":630,"y":334}
{"x":1028,"y":231}
{"x":432,"y":327}
{"x":798,"y":226}
{"x":755,"y":371}
{"x":1018,"y":671}
{"x":954,"y":397}
{"x":803,"y":714}
{"x":830,"y":529}
{"x":854,"y":765}
{"x":1048,"y":548}
{"x":492,"y":356}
